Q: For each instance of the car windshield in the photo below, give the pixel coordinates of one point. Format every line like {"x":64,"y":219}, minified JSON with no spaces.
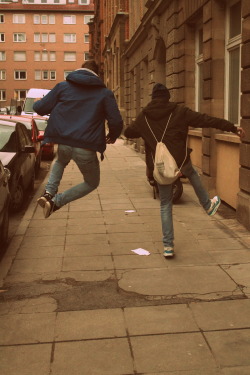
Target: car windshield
{"x":41,"y":124}
{"x":7,"y":138}
{"x":28,"y":106}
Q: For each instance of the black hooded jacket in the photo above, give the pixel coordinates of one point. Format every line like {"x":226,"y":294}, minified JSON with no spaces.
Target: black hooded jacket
{"x":158,"y":112}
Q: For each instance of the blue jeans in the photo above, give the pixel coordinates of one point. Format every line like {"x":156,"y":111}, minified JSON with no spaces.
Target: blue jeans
{"x":88,"y":164}
{"x":166,"y":195}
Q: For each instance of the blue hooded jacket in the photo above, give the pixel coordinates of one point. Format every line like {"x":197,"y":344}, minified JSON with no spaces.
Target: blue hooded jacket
{"x":78,"y":108}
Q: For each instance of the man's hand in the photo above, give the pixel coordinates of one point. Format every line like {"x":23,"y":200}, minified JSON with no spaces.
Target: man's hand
{"x":240,"y":132}
{"x":110,"y":140}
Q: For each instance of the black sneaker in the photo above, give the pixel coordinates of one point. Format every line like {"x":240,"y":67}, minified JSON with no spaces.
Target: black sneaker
{"x":49,"y":208}
{"x":44,"y":198}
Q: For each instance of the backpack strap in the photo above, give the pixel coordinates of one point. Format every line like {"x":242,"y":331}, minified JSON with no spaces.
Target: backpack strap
{"x":164,"y":129}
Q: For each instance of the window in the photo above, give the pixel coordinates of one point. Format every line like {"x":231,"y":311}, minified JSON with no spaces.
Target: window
{"x":86,"y":56}
{"x":3,"y":75}
{"x":19,"y":56}
{"x":2,"y":37}
{"x":38,"y":75}
{"x":44,"y":37}
{"x":83,"y":2}
{"x":20,"y":74}
{"x":87,"y":19}
{"x":2,"y":95}
{"x":69,"y":38}
{"x":52,"y":56}
{"x":36,"y":19}
{"x":52,"y":74}
{"x":19,"y":37}
{"x":233,"y":63}
{"x":52,"y":19}
{"x":45,"y":74}
{"x":52,"y":38}
{"x":18,"y":18}
{"x":37,"y":56}
{"x":45,"y":56}
{"x":37,"y":37}
{"x":67,"y":20}
{"x":199,"y":68}
{"x":69,"y":56}
{"x":86,"y":38}
{"x":2,"y":56}
{"x":20,"y":94}
{"x":1,"y":18}
{"x":66,"y":72}
{"x":44,"y":19}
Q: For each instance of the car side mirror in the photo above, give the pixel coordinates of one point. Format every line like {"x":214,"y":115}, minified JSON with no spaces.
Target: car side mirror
{"x":7,"y":172}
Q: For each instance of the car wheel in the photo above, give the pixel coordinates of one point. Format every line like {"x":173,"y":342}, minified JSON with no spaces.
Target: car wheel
{"x":4,"y":231}
{"x":17,"y":197}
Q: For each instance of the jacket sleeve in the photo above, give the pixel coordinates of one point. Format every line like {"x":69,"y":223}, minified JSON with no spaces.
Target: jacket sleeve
{"x":202,"y":120}
{"x":45,"y":105}
{"x":113,"y":116}
{"x":132,"y":131}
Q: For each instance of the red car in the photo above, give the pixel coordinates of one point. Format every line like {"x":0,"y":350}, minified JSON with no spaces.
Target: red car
{"x":31,"y":125}
{"x":48,"y":150}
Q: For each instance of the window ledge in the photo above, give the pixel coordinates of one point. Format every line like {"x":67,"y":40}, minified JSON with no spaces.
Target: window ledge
{"x":232,"y":138}
{"x":195,"y":133}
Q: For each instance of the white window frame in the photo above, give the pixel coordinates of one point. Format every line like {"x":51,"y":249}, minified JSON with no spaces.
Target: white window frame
{"x":3,"y":95}
{"x":45,"y":72}
{"x":36,"y":19}
{"x":51,"y":73}
{"x":67,"y":72}
{"x":38,"y":75}
{"x":231,"y":45}
{"x":69,"y":38}
{"x":45,"y":56}
{"x":2,"y":56}
{"x":69,"y":20}
{"x":2,"y":74}
{"x":52,"y":56}
{"x":86,"y":54}
{"x":83,"y":2}
{"x":19,"y":73}
{"x":87,"y":18}
{"x":37,"y":37}
{"x":52,"y":19}
{"x":44,"y":37}
{"x":2,"y":35}
{"x":19,"y":18}
{"x":68,"y":53}
{"x":37,"y":56}
{"x":86,"y":36}
{"x":17,"y":36}
{"x":52,"y":38}
{"x":18,"y":97}
{"x":16,"y":53}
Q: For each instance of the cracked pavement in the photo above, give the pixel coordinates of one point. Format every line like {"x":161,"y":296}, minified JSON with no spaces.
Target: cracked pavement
{"x":74,"y":299}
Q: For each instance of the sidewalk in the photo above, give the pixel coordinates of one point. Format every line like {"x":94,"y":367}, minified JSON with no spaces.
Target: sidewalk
{"x":74,"y":299}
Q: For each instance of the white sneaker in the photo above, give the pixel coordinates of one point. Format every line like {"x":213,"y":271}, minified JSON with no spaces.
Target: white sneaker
{"x":168,"y":251}
{"x":215,"y":203}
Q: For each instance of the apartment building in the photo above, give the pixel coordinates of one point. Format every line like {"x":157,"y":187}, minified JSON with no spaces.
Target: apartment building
{"x":200,"y":49}
{"x":41,"y":41}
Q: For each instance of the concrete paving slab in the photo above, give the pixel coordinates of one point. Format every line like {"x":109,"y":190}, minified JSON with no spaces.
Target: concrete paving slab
{"x":172,"y":352}
{"x":230,"y":257}
{"x":222,"y":315}
{"x":55,"y":223}
{"x":126,"y":247}
{"x":86,"y":239}
{"x":240,"y":370}
{"x":126,"y":228}
{"x":37,"y":265}
{"x":134,"y":261}
{"x":230,"y":348}
{"x":90,"y":220}
{"x":221,"y":244}
{"x":87,"y":263}
{"x":129,"y":237}
{"x":82,"y":215}
{"x":86,"y":228}
{"x":201,"y":282}
{"x":28,"y":306}
{"x":191,"y":372}
{"x":25,"y":359}
{"x":87,"y":250}
{"x":44,"y":240}
{"x":88,"y":275}
{"x":32,"y":252}
{"x":27,"y":328}
{"x":90,"y":324}
{"x":45,"y":231}
{"x":153,"y":320}
{"x":240,"y":273}
{"x":95,"y":357}
{"x":211,"y":233}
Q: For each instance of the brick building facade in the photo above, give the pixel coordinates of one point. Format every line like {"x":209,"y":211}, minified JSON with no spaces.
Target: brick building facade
{"x":41,"y":41}
{"x":201,"y":50}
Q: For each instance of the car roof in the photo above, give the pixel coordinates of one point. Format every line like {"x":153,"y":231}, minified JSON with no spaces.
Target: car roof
{"x":15,"y":117}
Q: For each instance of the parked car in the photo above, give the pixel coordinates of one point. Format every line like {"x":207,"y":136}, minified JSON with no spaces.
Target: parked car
{"x":31,"y":96}
{"x":17,"y":153}
{"x":31,"y":125}
{"x":48,"y":149}
{"x":4,"y":206}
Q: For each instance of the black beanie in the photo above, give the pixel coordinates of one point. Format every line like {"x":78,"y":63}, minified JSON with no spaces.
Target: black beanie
{"x":161,"y":91}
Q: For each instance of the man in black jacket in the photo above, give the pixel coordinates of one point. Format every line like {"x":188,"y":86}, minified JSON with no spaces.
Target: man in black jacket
{"x":157,"y":113}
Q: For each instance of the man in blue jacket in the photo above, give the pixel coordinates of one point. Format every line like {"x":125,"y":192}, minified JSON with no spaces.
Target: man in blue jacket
{"x":78,"y":108}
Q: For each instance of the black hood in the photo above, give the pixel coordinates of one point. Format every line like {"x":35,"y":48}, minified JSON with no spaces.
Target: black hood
{"x":85,"y":77}
{"x":159,"y":108}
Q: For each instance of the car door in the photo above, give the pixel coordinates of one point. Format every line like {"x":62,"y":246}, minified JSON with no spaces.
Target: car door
{"x":3,"y":191}
{"x":27,"y":160}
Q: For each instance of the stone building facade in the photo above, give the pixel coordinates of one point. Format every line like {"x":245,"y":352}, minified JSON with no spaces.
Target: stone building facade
{"x":201,"y":50}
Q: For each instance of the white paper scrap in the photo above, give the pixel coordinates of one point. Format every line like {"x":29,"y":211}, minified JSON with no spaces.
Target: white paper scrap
{"x":128,"y":211}
{"x":141,"y":251}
